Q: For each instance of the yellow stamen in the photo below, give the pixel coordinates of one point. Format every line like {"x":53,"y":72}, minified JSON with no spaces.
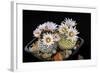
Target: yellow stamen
{"x":71,"y":34}
{"x":48,"y":40}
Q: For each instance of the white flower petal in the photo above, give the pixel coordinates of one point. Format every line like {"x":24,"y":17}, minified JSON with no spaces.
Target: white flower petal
{"x":69,"y":22}
{"x":48,"y":39}
{"x":72,"y":34}
{"x":63,"y":28}
{"x":37,"y":33}
{"x":49,"y":26}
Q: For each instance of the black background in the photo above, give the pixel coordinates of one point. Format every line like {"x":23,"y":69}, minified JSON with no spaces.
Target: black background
{"x":31,"y":19}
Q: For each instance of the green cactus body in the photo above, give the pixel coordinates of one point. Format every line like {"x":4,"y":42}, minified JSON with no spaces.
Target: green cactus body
{"x":66,"y":43}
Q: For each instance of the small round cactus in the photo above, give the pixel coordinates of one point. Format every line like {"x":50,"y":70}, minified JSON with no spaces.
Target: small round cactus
{"x":47,"y":49}
{"x":66,"y":43}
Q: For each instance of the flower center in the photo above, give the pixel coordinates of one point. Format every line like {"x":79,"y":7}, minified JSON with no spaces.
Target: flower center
{"x":37,"y":33}
{"x":48,"y":40}
{"x":65,"y":30}
{"x":71,"y":34}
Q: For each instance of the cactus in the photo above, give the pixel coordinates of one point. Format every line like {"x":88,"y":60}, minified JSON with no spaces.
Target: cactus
{"x":45,"y":49}
{"x":66,"y":43}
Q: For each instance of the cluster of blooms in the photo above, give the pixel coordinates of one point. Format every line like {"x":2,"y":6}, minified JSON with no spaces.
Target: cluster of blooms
{"x":53,"y":37}
{"x":67,"y":29}
{"x":47,"y":30}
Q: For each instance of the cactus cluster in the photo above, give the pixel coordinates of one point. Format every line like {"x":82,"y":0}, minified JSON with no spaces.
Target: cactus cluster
{"x":55,"y":39}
